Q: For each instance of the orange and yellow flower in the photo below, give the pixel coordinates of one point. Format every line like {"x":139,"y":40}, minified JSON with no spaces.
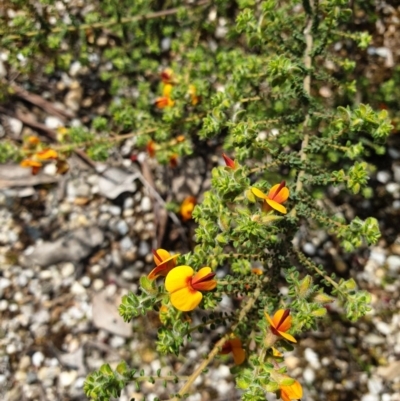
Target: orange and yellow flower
{"x":193,"y":95}
{"x":234,"y":345}
{"x":229,"y":162}
{"x":292,"y":392}
{"x":165,"y":100}
{"x":151,"y":148}
{"x":173,"y":160}
{"x":277,"y":195}
{"x":281,"y":323}
{"x":187,"y":207}
{"x":167,"y":76}
{"x":36,"y":160}
{"x":164,"y":261}
{"x":35,"y":165}
{"x":185,"y":286}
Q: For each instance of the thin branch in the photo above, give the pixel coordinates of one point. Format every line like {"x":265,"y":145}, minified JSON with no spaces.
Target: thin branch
{"x":246,"y":309}
{"x":103,"y":24}
{"x":307,"y":89}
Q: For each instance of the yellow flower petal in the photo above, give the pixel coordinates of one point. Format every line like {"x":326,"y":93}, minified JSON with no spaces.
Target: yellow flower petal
{"x":269,"y":319}
{"x":275,"y":205}
{"x":167,"y":89}
{"x":177,"y":278}
{"x":186,"y":300}
{"x":287,"y":336}
{"x":292,"y":392}
{"x":258,"y":193}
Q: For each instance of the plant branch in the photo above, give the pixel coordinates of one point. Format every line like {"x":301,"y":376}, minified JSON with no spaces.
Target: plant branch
{"x":307,"y":89}
{"x":103,"y":24}
{"x":217,"y":347}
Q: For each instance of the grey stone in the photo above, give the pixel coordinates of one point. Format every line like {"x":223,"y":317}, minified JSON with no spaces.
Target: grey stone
{"x":73,"y":247}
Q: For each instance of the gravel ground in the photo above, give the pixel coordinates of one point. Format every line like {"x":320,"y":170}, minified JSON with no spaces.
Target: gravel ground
{"x":71,"y":246}
{"x":71,"y":249}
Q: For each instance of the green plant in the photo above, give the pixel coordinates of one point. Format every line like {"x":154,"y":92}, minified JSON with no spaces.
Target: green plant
{"x":249,"y":78}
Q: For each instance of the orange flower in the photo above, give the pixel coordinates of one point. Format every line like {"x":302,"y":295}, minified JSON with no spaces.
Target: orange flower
{"x":185,"y":286}
{"x":165,"y":100}
{"x":229,"y":162}
{"x":292,"y":392}
{"x":33,"y":140}
{"x":151,"y":148}
{"x":164,"y":261}
{"x":35,"y":165}
{"x":47,"y":154}
{"x":281,"y":323}
{"x":180,"y":138}
{"x":193,"y":95}
{"x":167,"y":76}
{"x":277,"y":195}
{"x":234,"y":345}
{"x":173,"y":160}
{"x":257,"y":271}
{"x":187,"y":207}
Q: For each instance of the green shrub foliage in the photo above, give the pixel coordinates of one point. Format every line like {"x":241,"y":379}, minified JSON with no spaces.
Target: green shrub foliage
{"x":272,"y":84}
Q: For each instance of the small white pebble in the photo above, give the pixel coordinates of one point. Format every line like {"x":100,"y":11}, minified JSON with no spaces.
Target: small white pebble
{"x":77,"y":288}
{"x":67,"y":378}
{"x":98,"y":284}
{"x":3,"y":305}
{"x":37,"y":359}
{"x":85,"y":281}
{"x":309,"y":375}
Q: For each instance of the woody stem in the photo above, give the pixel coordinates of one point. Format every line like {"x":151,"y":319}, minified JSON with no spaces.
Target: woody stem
{"x":217,"y":348}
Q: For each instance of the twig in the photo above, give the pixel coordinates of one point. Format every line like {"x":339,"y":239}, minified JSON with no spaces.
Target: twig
{"x":104,"y":24}
{"x":307,"y":90}
{"x":185,"y":388}
{"x":39,"y":101}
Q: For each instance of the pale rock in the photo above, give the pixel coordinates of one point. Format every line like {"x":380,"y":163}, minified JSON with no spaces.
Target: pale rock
{"x":393,"y":188}
{"x":144,"y":248}
{"x":115,"y":210}
{"x":37,"y":359}
{"x":145,"y":204}
{"x":370,"y":397}
{"x":50,"y":169}
{"x":24,"y":363}
{"x":375,"y":385}
{"x":383,"y":328}
{"x":67,"y":270}
{"x":15,"y":125}
{"x":3,"y":305}
{"x":309,"y":248}
{"x":53,"y":122}
{"x":75,"y":68}
{"x":122,"y":227}
{"x":11,"y":349}
{"x":309,"y":375}
{"x":312,"y":358}
{"x":98,"y":284}
{"x":117,"y":342}
{"x":77,"y":288}
{"x":20,"y":376}
{"x":378,"y":256}
{"x":67,"y":378}
{"x":126,"y":244}
{"x":393,"y":263}
{"x":86,"y":281}
{"x":383,"y":176}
